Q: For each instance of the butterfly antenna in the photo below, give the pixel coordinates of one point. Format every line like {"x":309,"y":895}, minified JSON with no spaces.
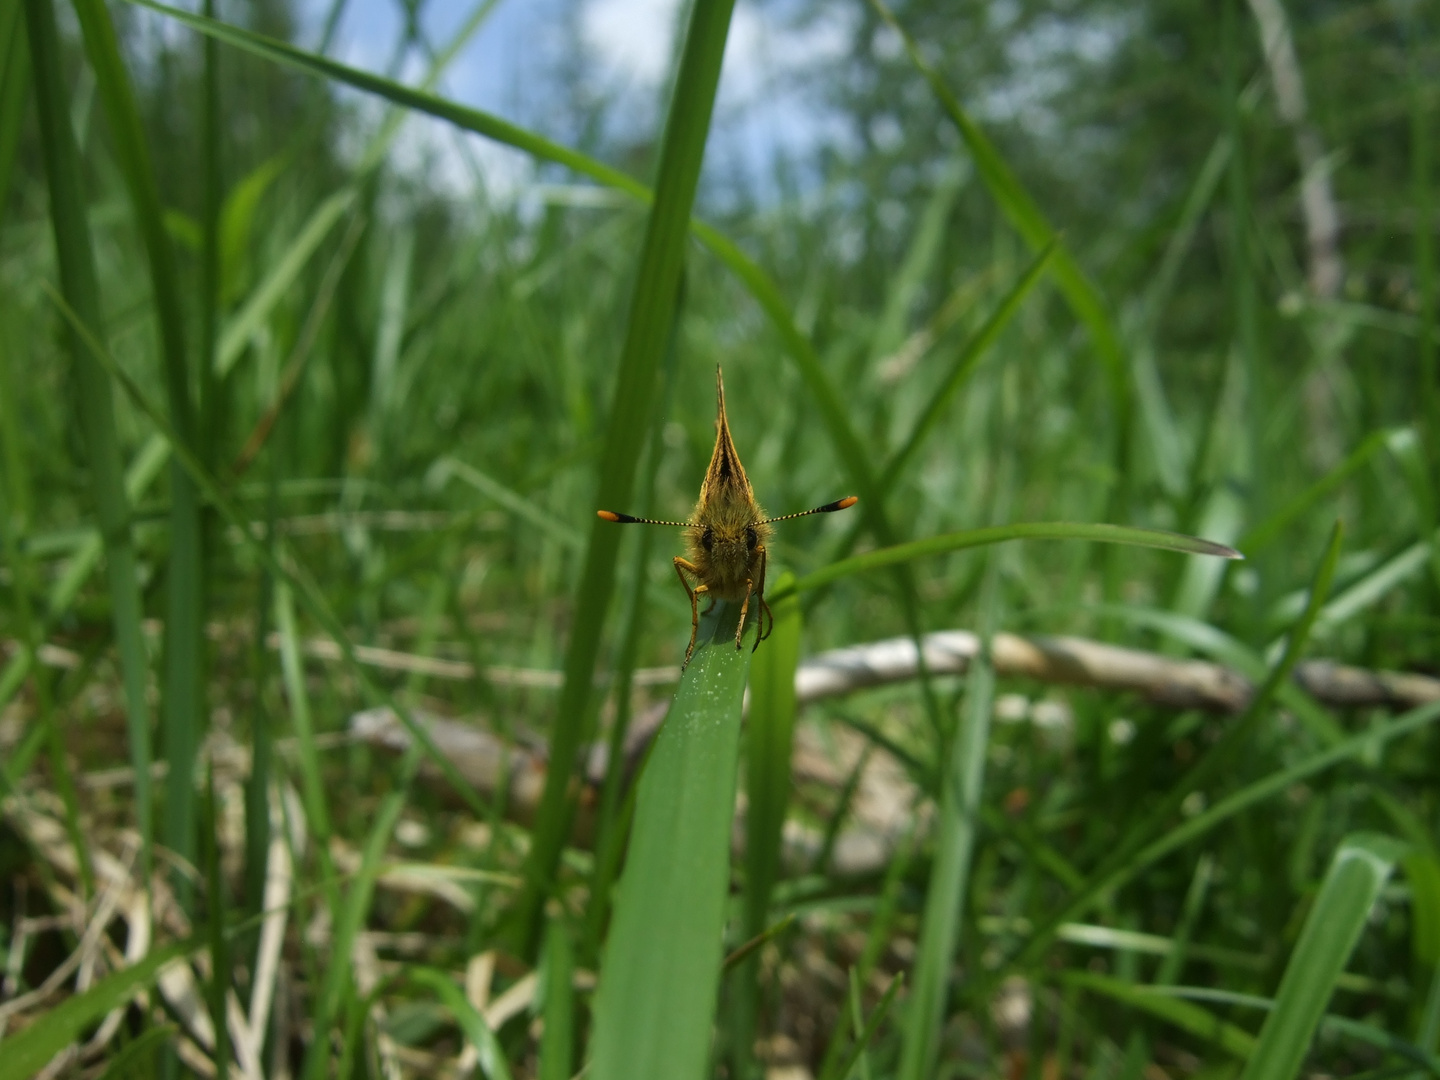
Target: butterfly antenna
{"x":828,"y":508}
{"x":626,"y":519}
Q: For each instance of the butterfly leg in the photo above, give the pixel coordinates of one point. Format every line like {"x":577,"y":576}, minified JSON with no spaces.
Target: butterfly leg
{"x":744,"y":607}
{"x":681,"y":566}
{"x":765,"y":611}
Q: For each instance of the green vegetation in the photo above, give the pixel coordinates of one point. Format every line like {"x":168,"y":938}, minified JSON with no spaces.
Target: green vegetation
{"x":1099,"y":290}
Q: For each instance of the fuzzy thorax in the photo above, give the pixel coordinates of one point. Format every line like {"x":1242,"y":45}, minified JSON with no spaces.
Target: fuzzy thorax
{"x":724,"y":541}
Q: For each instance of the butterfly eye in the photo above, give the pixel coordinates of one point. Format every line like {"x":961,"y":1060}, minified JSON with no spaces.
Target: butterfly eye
{"x":752,"y":538}
{"x":707,"y":538}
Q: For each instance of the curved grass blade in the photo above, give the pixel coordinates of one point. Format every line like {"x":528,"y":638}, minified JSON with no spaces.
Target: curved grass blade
{"x":1266,"y":532}
{"x":659,"y":976}
{"x":1197,"y":1020}
{"x":487,"y":1048}
{"x":26,"y":1052}
{"x":511,"y":500}
{"x":70,"y":221}
{"x":1027,"y":218}
{"x":965,"y":363}
{"x":1032,"y":530}
{"x":1361,"y":866}
{"x":1127,"y":857}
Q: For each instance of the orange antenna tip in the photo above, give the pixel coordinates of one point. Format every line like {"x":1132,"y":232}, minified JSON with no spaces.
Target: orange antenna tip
{"x":847,"y":502}
{"x":608,"y":515}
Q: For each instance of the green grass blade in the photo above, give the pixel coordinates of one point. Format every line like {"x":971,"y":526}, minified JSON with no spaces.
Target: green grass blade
{"x":27,"y":1052}
{"x":1266,"y":532}
{"x":970,"y":355}
{"x":1423,"y":197}
{"x":769,"y":739}
{"x":308,"y":593}
{"x":1186,"y":1015}
{"x":557,"y":1042}
{"x":1361,"y":866}
{"x":139,"y":1056}
{"x":1133,"y":852}
{"x":652,"y":311}
{"x":961,"y":784}
{"x":490,"y":1054}
{"x":82,"y":564}
{"x":511,"y":500}
{"x":658,"y":980}
{"x":1030,"y":530}
{"x":14,"y":92}
{"x":847,"y":1063}
{"x":184,"y":700}
{"x":1028,"y":220}
{"x":69,"y":219}
{"x":337,"y":980}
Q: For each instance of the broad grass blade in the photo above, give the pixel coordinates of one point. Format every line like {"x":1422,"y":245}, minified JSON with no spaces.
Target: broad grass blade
{"x":27,"y":1052}
{"x":1361,"y":866}
{"x":658,"y":979}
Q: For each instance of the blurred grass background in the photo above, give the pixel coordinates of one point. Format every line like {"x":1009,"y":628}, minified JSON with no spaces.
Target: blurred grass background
{"x":413,"y":368}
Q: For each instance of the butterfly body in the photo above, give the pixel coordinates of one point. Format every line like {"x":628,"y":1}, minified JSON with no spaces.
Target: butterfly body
{"x":725,"y":536}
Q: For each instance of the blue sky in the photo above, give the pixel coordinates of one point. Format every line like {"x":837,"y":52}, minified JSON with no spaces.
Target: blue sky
{"x":510,"y":64}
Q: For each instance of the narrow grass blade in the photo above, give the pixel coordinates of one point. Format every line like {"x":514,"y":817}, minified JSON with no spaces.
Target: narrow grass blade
{"x":1265,"y":533}
{"x":1186,"y":1015}
{"x":306,"y":590}
{"x":487,"y":1048}
{"x":511,"y":500}
{"x":658,"y":980}
{"x":1036,"y":530}
{"x":965,"y":363}
{"x":557,"y":1042}
{"x":1135,"y":850}
{"x":1245,"y":297}
{"x":337,"y":979}
{"x":1028,"y":220}
{"x":82,"y":564}
{"x":961,"y":783}
{"x":14,"y":91}
{"x":138,"y":1058}
{"x":652,"y":311}
{"x":15,"y":504}
{"x":184,"y":705}
{"x":1423,"y":197}
{"x":769,"y":738}
{"x":1361,"y":866}
{"x":69,"y":219}
{"x":27,"y":1052}
{"x":847,"y":1063}
{"x":761,"y":287}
